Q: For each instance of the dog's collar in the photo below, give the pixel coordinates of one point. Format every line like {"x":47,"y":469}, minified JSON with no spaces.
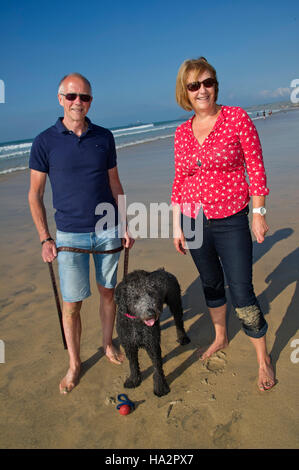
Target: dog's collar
{"x":130,"y":316}
{"x":134,"y":317}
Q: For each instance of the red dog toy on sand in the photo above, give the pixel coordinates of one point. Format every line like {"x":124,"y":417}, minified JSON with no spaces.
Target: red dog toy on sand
{"x":126,"y":406}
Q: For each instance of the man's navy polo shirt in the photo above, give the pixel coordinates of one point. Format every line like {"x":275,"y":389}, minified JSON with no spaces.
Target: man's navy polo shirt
{"x":78,"y":171}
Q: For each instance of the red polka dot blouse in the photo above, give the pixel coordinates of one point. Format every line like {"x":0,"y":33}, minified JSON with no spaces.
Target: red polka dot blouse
{"x":212,"y":175}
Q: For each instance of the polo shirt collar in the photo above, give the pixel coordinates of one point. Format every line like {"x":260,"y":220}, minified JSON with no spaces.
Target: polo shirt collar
{"x":63,"y":130}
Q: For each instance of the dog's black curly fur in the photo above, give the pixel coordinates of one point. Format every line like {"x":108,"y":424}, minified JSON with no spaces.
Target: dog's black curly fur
{"x":142,"y":294}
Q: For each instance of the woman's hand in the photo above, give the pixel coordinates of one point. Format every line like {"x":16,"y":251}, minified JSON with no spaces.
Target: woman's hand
{"x":179,"y":242}
{"x":259,"y":227}
{"x":178,"y":234}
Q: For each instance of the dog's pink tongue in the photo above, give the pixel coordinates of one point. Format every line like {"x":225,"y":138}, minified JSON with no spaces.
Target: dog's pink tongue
{"x":150,"y":322}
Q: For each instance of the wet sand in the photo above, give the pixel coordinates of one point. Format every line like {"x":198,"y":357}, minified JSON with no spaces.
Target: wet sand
{"x":215,"y":405}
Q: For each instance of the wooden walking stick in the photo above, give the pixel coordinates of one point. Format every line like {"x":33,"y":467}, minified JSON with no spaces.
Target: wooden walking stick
{"x":79,"y":250}
{"x":52,"y":275}
{"x":126,"y":261}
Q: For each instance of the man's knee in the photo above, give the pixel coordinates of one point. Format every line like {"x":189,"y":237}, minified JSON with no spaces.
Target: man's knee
{"x":71,"y":309}
{"x":106,"y":293}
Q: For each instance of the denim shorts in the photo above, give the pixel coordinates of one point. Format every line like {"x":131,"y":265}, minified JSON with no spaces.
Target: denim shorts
{"x":74,"y":267}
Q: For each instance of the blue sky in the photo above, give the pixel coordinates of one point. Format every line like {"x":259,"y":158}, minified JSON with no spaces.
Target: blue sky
{"x":131,"y":52}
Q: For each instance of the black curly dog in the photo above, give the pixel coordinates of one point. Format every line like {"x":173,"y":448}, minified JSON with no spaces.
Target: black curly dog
{"x":140,"y":298}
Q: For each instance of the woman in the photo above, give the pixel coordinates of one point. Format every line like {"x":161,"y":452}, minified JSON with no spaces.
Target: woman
{"x":211,"y":152}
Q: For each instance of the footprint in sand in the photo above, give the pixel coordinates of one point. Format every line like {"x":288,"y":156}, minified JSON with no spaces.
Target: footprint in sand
{"x":196,"y":419}
{"x":192,"y":422}
{"x":216,"y":363}
{"x":179,"y":414}
{"x":226,"y":435}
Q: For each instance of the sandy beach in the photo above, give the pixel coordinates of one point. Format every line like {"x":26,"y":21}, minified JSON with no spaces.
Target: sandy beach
{"x":211,"y":405}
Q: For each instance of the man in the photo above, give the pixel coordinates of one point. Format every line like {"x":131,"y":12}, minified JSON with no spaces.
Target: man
{"x":80,"y":159}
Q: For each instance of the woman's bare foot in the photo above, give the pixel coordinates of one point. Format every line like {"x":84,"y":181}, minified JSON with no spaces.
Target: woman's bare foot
{"x":266,"y":376}
{"x":114,"y":355}
{"x":214,"y":347}
{"x":70,"y":381}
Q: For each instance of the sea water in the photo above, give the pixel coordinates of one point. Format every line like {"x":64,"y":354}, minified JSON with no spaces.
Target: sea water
{"x":14,"y":156}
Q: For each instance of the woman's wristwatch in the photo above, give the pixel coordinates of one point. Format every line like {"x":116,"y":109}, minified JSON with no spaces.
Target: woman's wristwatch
{"x":259,"y":210}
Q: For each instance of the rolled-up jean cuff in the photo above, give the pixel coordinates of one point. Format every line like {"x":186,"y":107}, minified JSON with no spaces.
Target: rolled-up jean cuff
{"x":258,"y":334}
{"x":216,"y":303}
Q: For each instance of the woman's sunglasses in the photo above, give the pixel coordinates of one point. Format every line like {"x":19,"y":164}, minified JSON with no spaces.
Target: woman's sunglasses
{"x":73,"y":96}
{"x":207,"y":83}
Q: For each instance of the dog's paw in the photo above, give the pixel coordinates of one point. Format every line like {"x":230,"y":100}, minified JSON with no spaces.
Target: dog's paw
{"x":162,"y":389}
{"x":132,"y":383}
{"x":183,"y":340}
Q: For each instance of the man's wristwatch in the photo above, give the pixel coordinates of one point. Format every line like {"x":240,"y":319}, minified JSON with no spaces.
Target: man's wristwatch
{"x":49,"y":239}
{"x":259,"y":210}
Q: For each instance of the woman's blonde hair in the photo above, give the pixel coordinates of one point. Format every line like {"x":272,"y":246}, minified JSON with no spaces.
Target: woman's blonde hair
{"x":199,"y":65}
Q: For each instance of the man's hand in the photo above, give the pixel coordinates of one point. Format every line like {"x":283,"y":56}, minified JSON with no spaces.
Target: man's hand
{"x":49,"y":251}
{"x":259,"y":227}
{"x":128,"y":241}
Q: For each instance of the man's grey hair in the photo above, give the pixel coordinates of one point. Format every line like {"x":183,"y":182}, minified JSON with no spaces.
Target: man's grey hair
{"x":77,"y":75}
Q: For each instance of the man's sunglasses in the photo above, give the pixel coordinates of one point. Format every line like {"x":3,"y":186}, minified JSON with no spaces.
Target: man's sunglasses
{"x":207,"y":83}
{"x":73,"y":96}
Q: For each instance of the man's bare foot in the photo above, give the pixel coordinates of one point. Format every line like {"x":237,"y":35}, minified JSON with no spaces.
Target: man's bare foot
{"x":212,"y":349}
{"x":69,"y":381}
{"x":114,"y":355}
{"x":266,"y":376}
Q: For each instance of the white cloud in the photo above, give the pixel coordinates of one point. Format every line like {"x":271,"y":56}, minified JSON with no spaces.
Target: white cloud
{"x":279,"y":92}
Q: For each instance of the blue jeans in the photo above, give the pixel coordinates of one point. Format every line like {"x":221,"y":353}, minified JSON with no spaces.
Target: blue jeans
{"x":227,"y":247}
{"x":74,"y":267}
